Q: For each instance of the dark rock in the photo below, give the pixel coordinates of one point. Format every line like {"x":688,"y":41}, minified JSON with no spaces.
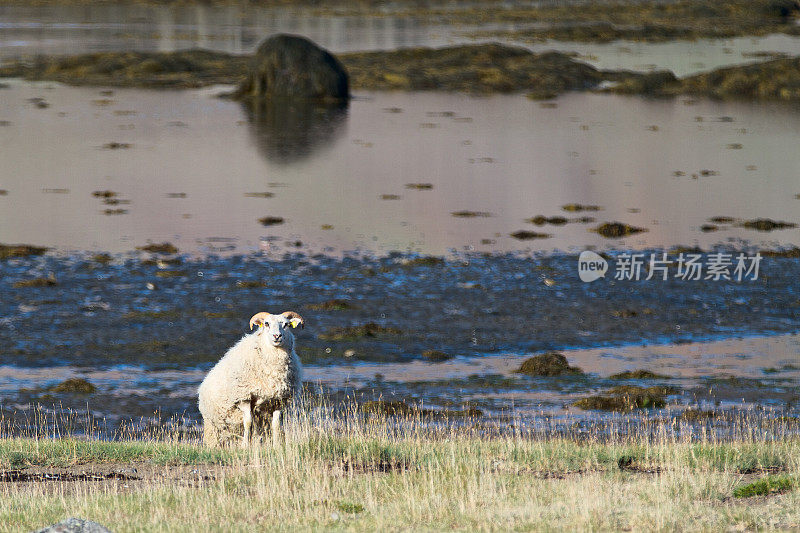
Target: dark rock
{"x":20,"y":250}
{"x":614,"y":230}
{"x":270,"y":221}
{"x":104,"y":194}
{"x":685,"y":249}
{"x":638,"y":374}
{"x":102,"y":258}
{"x":525,"y":235}
{"x":541,"y":220}
{"x":163,"y":248}
{"x":470,"y":214}
{"x":575,"y":208}
{"x":624,"y":313}
{"x":765,"y":224}
{"x":626,"y":398}
{"x":436,"y":355}
{"x":74,"y":385}
{"x":425,"y":260}
{"x":290,"y":66}
{"x":49,"y":281}
{"x":788,"y":252}
{"x":116,"y":146}
{"x":548,"y":364}
{"x":651,"y":84}
{"x":781,"y":8}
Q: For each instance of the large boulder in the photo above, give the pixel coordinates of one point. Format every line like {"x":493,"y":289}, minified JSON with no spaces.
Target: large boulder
{"x":289,"y":66}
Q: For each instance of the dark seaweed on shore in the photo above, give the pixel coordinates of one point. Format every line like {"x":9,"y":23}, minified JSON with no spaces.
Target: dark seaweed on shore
{"x":476,"y":69}
{"x":160,"y":70}
{"x":648,"y":21}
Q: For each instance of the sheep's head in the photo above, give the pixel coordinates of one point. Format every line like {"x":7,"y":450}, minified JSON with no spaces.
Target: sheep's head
{"x":277,"y":329}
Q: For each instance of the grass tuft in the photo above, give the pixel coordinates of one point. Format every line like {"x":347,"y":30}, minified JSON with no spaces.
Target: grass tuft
{"x":765,"y":486}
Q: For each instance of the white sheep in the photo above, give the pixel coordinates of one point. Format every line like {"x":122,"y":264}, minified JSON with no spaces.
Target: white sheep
{"x":252,"y":383}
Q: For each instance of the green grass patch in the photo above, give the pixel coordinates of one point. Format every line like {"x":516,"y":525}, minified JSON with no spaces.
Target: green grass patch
{"x":16,"y":453}
{"x":766,"y":486}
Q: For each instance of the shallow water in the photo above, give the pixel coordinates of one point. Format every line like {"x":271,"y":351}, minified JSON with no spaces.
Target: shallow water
{"x":147,"y":347}
{"x":189,"y":162}
{"x":744,"y":373}
{"x":681,"y":57}
{"x":505,"y":156}
{"x":65,"y":29}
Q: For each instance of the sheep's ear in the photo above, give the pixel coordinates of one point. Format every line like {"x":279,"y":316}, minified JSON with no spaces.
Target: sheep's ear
{"x":258,"y":319}
{"x":294,"y":319}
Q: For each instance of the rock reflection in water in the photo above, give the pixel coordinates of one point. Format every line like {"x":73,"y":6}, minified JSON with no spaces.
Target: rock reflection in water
{"x":287,"y":132}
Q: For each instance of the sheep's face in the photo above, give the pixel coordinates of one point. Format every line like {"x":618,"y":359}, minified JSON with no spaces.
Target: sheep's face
{"x":276,"y":330}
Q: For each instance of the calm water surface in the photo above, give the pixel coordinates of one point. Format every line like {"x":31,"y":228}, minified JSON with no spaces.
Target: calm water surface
{"x":187,"y":164}
{"x":661,"y":165}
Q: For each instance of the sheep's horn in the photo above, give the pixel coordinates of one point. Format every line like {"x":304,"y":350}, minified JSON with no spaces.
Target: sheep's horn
{"x":258,"y":318}
{"x":292,"y":314}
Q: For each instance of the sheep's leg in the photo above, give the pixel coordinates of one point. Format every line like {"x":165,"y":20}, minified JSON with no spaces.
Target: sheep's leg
{"x":260,"y":426}
{"x":247,"y":419}
{"x":260,"y":421}
{"x":277,"y":432}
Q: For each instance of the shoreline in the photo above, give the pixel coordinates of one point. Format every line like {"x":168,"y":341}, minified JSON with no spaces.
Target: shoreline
{"x":479,"y":69}
{"x":393,"y":329}
{"x":763,"y":376}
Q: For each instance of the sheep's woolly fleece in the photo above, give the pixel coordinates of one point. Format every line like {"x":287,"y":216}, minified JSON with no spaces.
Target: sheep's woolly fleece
{"x":256,"y":377}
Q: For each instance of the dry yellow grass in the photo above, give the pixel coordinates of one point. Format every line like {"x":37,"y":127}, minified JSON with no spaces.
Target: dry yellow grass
{"x":365,"y":473}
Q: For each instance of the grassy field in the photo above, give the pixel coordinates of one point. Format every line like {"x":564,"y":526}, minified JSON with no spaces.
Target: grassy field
{"x":366,"y":473}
